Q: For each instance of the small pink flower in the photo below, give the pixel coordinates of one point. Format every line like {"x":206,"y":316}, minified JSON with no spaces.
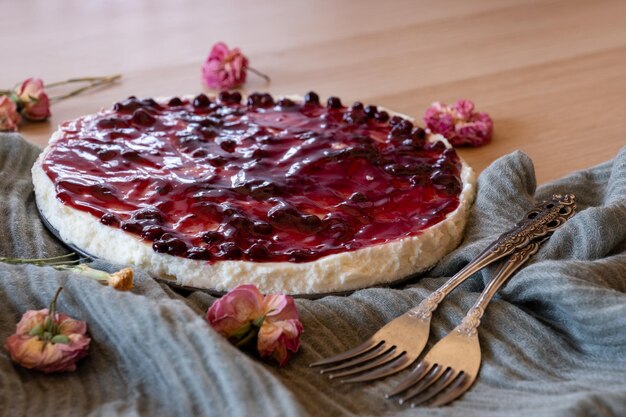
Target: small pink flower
{"x":33,"y":100}
{"x":237,"y":309}
{"x":279,"y":336}
{"x":9,"y":118}
{"x":271,"y":323}
{"x":224,"y":68}
{"x":460,"y":124}
{"x":48,"y":341}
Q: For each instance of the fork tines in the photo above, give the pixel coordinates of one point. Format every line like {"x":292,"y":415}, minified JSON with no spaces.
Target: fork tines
{"x":426,"y":382}
{"x":372,"y":360}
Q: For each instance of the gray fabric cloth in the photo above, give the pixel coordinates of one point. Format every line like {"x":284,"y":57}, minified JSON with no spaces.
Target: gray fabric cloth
{"x":553,"y":340}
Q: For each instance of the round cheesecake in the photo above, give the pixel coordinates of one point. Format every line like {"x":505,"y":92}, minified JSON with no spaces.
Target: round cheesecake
{"x":292,"y":195}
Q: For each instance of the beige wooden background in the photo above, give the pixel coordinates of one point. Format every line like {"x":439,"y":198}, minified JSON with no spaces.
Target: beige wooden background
{"x":551,"y":73}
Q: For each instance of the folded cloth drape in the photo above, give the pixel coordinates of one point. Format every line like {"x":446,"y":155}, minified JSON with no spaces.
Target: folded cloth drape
{"x":553,"y":341}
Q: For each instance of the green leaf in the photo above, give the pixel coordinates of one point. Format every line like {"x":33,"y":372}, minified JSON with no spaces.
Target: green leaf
{"x":241,"y":332}
{"x":36,"y":331}
{"x":61,"y":338}
{"x":259,"y":321}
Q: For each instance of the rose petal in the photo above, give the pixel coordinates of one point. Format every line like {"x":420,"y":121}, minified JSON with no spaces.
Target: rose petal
{"x":238,"y":307}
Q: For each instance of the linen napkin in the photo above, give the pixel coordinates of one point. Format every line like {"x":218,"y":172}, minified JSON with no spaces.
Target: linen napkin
{"x":553,"y":340}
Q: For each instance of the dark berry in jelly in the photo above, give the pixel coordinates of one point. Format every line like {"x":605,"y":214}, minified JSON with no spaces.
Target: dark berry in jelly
{"x":395,"y":120}
{"x":159,"y":246}
{"x":241,"y":223}
{"x":228,"y":145}
{"x":358,"y":197}
{"x":112,"y":123}
{"x":312,"y":98}
{"x":212,"y":237}
{"x":150,"y":102}
{"x":418,"y":133}
{"x":401,"y":130}
{"x":357,"y":105}
{"x":263,"y":190}
{"x":263,"y":228}
{"x":418,"y":180}
{"x":300,"y":256}
{"x":132,"y":227}
{"x":151,"y":213}
{"x":253,"y":99}
{"x":436,"y":147}
{"x":258,"y":154}
{"x":235,"y":97}
{"x":165,"y":189}
{"x":230,"y":250}
{"x":382,"y":116}
{"x":285,"y":103}
{"x":446,"y":183}
{"x":334,"y":102}
{"x":110,"y":219}
{"x":199,"y":253}
{"x":217,"y":161}
{"x":107,"y":154}
{"x":257,"y":252}
{"x":142,"y":118}
{"x":175,"y":102}
{"x":288,"y":217}
{"x":355,"y":116}
{"x":127,"y":106}
{"x":266,"y":100}
{"x":173,"y":246}
{"x":199,"y":153}
{"x":370,"y":111}
{"x":201,"y":100}
{"x":230,"y":98}
{"x":152,"y":232}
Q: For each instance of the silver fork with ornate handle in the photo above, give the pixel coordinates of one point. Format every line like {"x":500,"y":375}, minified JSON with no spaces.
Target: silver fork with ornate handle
{"x":399,"y":343}
{"x":451,"y":366}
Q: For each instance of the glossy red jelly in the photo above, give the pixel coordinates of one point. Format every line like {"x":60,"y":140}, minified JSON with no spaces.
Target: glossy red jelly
{"x":260,"y":181}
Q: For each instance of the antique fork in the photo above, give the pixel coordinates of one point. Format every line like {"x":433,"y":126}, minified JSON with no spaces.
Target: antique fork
{"x":450,"y":368}
{"x":389,"y":350}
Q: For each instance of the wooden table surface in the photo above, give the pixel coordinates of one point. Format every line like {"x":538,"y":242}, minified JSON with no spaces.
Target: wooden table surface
{"x":552,"y":74}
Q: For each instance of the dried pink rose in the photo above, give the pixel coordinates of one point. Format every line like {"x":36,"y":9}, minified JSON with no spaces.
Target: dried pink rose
{"x":48,"y":341}
{"x":460,"y":124}
{"x":33,"y":102}
{"x":279,"y":336}
{"x":224,"y":68}
{"x":269,"y":323}
{"x":9,"y":117}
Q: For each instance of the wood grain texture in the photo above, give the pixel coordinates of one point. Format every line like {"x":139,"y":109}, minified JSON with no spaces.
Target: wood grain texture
{"x":551,"y":73}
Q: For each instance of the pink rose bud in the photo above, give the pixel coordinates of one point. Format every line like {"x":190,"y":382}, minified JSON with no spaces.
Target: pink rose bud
{"x":270,"y":324}
{"x":9,"y":117}
{"x":224,"y":68}
{"x":460,"y":124}
{"x":48,"y":341}
{"x":33,"y":101}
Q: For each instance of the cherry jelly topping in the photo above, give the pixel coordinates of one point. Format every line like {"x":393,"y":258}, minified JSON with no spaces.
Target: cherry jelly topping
{"x":264,"y":181}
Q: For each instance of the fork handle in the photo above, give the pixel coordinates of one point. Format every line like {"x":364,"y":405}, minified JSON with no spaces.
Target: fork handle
{"x":471,"y":321}
{"x":538,"y":222}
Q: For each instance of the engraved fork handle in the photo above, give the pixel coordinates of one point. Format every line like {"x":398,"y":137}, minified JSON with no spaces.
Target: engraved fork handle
{"x":471,"y":321}
{"x":538,"y":222}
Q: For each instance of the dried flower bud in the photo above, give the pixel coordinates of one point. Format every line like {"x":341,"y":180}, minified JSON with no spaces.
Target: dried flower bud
{"x":33,"y":101}
{"x":460,"y":124}
{"x":269,"y":323}
{"x":48,"y":341}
